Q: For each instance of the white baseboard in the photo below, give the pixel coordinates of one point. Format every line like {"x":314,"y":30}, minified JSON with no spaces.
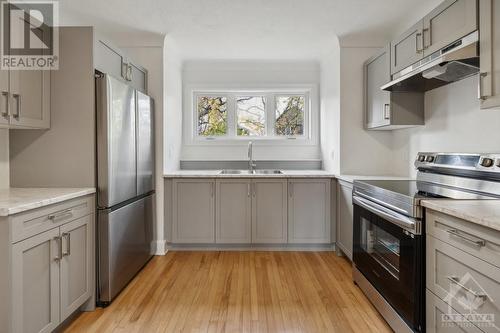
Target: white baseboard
{"x":158,"y":247}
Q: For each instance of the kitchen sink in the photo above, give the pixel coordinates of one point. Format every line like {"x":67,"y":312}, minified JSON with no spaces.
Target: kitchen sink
{"x":246,"y":172}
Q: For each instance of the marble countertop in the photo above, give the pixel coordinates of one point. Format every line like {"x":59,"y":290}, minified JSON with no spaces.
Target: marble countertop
{"x":17,"y":200}
{"x":482,"y":212}
{"x":216,"y":174}
{"x":352,"y":178}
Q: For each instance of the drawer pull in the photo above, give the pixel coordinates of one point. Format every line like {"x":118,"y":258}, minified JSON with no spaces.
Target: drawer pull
{"x":65,"y":213}
{"x":475,"y":241}
{"x":456,"y":280}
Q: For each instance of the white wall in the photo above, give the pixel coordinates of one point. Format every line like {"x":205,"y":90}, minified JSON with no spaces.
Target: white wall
{"x":330,"y":110}
{"x":4,"y":158}
{"x":361,"y":152}
{"x":453,"y":123}
{"x":252,"y":75}
{"x":173,"y":106}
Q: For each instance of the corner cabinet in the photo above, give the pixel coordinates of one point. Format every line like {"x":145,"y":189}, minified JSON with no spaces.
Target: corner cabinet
{"x":51,"y":266}
{"x":386,"y":110}
{"x":489,"y":44}
{"x":309,"y":211}
{"x":344,"y":218}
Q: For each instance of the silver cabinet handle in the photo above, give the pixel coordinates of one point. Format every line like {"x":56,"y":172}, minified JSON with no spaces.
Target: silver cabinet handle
{"x":254,"y":190}
{"x":58,"y":240}
{"x":456,"y":280}
{"x":66,"y":235}
{"x":424,"y":46}
{"x":5,"y":112}
{"x":248,"y":189}
{"x":17,"y":97}
{"x":480,"y":94}
{"x":64,"y":213}
{"x":387,"y":111}
{"x":475,"y":241}
{"x":417,"y":36}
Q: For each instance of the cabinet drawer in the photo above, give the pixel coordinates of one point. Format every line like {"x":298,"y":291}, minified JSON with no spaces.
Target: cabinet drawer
{"x":35,"y":221}
{"x":472,"y":238}
{"x":440,"y":318}
{"x":469,"y":285}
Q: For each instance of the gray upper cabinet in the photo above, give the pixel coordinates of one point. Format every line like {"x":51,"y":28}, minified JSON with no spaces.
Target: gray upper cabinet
{"x":407,"y":49}
{"x":76,"y":264}
{"x":489,"y":35}
{"x":233,"y":211}
{"x":111,"y":60}
{"x":193,"y":211}
{"x":377,"y":73}
{"x":269,"y":211}
{"x":344,"y":218}
{"x":4,"y":98}
{"x":309,"y":211}
{"x":451,"y":20}
{"x":386,"y":110}
{"x":35,"y":286}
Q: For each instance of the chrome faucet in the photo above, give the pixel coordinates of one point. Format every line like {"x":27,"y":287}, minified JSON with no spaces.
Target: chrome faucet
{"x":251,"y":164}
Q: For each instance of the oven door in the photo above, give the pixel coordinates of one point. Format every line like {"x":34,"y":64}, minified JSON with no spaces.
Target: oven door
{"x":390,"y":257}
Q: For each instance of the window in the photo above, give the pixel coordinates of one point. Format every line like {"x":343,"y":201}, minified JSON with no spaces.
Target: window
{"x":212,"y":115}
{"x":236,"y":115}
{"x":251,"y":114}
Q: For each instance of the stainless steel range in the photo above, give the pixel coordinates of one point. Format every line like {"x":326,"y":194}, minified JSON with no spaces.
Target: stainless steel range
{"x":389,"y":228}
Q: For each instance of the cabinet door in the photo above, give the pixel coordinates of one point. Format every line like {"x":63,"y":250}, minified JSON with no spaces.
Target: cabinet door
{"x":4,"y":97}
{"x":108,"y":59}
{"x":269,"y":211}
{"x":76,"y":264}
{"x":35,"y":283}
{"x":489,"y":44}
{"x":233,"y":211}
{"x":193,"y":211}
{"x":138,"y":77}
{"x":451,"y":20}
{"x":309,"y":211}
{"x":407,"y":49}
{"x":377,"y":101}
{"x":30,"y":95}
{"x":344,"y":218}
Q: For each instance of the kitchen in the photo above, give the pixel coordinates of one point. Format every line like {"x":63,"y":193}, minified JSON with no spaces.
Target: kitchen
{"x":337,"y":174}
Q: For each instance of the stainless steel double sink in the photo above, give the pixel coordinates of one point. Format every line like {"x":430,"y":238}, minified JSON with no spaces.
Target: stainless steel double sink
{"x":247,"y":172}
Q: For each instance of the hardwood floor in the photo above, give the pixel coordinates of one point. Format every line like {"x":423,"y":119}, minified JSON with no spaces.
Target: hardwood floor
{"x":239,"y":292}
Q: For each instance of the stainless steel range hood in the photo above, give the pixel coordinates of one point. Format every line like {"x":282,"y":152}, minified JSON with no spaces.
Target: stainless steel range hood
{"x":452,"y":63}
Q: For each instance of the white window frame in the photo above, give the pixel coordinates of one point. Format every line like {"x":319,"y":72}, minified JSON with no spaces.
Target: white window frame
{"x":271,"y":100}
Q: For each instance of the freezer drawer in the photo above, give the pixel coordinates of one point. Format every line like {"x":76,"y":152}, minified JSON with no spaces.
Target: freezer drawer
{"x":124,"y":236}
{"x":116,"y":142}
{"x":145,"y":143}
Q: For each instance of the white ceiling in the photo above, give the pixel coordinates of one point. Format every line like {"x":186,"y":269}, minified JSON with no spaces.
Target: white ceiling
{"x":248,"y":29}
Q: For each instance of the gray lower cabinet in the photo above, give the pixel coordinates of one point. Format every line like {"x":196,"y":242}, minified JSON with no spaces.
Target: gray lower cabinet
{"x":35,"y":283}
{"x":344,"y":218}
{"x":193,"y":211}
{"x":309,"y":211}
{"x":269,"y":211}
{"x":233,"y":211}
{"x":489,"y":44}
{"x":50,"y":273}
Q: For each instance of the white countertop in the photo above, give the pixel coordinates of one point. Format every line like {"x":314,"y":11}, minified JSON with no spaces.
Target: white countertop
{"x":352,"y":178}
{"x":216,"y":174}
{"x":17,"y":200}
{"x":482,"y":212}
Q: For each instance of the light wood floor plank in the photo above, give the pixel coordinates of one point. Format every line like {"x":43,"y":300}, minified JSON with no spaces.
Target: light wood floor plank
{"x":238,"y":292}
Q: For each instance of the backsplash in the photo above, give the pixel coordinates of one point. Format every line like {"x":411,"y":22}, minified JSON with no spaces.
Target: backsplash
{"x":218,"y":165}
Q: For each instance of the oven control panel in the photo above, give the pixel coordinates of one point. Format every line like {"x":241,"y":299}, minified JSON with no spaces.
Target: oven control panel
{"x":466,"y":161}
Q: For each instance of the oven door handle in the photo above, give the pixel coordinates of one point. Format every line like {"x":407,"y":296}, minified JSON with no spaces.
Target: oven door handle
{"x":404,"y":222}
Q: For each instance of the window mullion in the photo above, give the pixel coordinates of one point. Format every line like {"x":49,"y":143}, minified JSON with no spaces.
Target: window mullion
{"x":270,"y":105}
{"x":231,"y":116}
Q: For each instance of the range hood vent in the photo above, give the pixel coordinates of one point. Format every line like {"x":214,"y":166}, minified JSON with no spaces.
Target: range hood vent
{"x":452,"y":63}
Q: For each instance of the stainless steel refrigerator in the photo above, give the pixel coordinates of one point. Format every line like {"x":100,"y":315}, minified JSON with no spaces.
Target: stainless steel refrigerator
{"x":125,"y":172}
